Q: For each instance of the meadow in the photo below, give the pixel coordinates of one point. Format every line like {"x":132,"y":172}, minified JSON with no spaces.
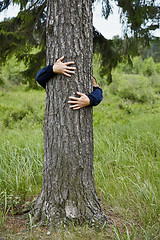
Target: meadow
{"x":126,"y":155}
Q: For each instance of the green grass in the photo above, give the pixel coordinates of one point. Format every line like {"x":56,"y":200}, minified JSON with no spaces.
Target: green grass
{"x":127,"y":170}
{"x":126,"y":160}
{"x":21,"y":141}
{"x":21,"y":157}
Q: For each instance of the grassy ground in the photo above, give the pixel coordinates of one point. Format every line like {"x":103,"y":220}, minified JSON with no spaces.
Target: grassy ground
{"x":126,"y":160}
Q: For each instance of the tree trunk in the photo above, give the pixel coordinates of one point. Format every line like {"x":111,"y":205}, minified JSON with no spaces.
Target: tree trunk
{"x":68,"y":191}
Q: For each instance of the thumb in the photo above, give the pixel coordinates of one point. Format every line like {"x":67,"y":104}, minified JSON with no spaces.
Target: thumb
{"x":80,"y":94}
{"x":60,"y":59}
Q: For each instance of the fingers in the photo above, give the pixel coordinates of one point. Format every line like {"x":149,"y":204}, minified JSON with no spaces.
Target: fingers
{"x":71,"y":102}
{"x":77,"y":103}
{"x":75,"y":107}
{"x":68,"y":63}
{"x":71,"y":68}
{"x":68,"y":71}
{"x":66,"y":74}
{"x":80,"y":94}
{"x":73,"y":98}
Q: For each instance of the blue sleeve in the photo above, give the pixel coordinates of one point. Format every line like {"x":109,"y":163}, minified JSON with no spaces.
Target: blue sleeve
{"x":96,"y":96}
{"x":44,"y":75}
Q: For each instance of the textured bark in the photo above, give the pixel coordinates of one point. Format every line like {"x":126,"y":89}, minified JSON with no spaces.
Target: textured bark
{"x":68,"y":191}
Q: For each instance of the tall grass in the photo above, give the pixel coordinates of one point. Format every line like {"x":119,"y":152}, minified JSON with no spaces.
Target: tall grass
{"x":21,"y":141}
{"x":127,"y":171}
{"x":21,"y":160}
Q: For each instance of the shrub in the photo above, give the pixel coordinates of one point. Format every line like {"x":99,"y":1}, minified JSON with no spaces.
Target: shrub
{"x":137,"y":65}
{"x":13,"y":116}
{"x":1,"y":81}
{"x":149,"y":67}
{"x":134,"y":87}
{"x":155,"y":81}
{"x":158,"y":67}
{"x":11,"y":72}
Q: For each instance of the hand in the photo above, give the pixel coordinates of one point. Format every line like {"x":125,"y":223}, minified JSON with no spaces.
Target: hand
{"x":95,"y":84}
{"x":63,"y":68}
{"x":79,"y":102}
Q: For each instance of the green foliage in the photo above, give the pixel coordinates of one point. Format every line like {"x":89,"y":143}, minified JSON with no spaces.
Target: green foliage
{"x":146,"y":67}
{"x":15,"y":72}
{"x":134,"y":67}
{"x":149,"y":67}
{"x":138,"y":82}
{"x":137,"y":13}
{"x":96,"y":67}
{"x":158,"y":67}
{"x":152,"y":51}
{"x":21,"y":111}
{"x":21,"y":34}
{"x":11,"y":72}
{"x":132,"y":87}
{"x":110,"y":54}
{"x":12,"y":116}
{"x":137,"y":65}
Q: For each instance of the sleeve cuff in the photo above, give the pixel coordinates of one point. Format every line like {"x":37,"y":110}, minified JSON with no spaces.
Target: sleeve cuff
{"x":91,"y":100}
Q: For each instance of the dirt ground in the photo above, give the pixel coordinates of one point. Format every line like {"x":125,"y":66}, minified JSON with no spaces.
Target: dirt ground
{"x":19,"y":226}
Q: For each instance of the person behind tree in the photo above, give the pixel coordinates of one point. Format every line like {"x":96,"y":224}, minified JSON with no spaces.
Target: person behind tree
{"x":46,"y":73}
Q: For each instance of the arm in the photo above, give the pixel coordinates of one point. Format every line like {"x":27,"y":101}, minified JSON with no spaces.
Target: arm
{"x":93,"y":99}
{"x":44,"y":75}
{"x":48,"y":72}
{"x":96,"y":96}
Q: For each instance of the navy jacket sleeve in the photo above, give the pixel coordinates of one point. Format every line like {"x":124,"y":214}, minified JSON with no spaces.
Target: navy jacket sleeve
{"x":96,"y":96}
{"x":47,"y":73}
{"x":44,"y":75}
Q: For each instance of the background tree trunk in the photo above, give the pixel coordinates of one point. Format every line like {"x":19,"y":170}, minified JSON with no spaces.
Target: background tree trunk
{"x":68,"y":191}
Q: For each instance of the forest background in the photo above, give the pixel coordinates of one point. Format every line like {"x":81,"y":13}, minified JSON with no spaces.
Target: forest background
{"x":126,"y":149}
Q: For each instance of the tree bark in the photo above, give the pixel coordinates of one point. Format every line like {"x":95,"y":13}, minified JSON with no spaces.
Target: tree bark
{"x":68,"y":192}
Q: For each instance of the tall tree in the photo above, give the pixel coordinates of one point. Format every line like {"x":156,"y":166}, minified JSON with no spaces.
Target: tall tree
{"x":68,"y":192}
